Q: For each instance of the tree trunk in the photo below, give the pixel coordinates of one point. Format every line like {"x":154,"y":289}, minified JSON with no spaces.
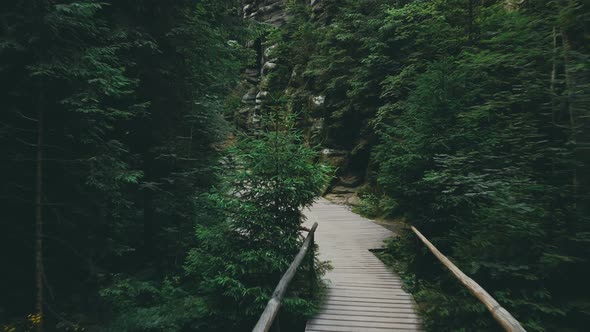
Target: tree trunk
{"x":554,"y":61}
{"x":39,"y":213}
{"x":470,"y":23}
{"x":569,"y":87}
{"x":148,"y":211}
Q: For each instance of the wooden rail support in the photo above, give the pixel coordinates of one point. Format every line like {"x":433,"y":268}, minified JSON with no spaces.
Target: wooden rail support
{"x":268,"y":317}
{"x":311,"y":264}
{"x":501,"y":315}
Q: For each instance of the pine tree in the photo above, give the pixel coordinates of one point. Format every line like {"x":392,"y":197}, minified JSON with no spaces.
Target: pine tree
{"x":241,"y":258}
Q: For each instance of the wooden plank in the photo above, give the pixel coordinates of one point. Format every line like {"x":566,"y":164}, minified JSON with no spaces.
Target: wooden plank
{"x":388,"y":294}
{"x":383,"y":312}
{"x":363,"y":323}
{"x":355,"y":283}
{"x":360,"y":300}
{"x":332,"y":328}
{"x":364,"y":295}
{"x":400,"y":317}
{"x":321,"y":328}
{"x":358,"y":306}
{"x":361,"y":287}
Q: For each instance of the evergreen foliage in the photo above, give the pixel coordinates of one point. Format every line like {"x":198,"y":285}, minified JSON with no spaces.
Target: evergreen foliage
{"x":239,"y":261}
{"x":476,"y":116}
{"x":127,"y":100}
{"x":130,"y":204}
{"x":247,"y":234}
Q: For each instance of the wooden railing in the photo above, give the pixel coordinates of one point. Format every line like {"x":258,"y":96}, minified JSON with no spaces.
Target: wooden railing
{"x":501,"y":315}
{"x":269,"y":318}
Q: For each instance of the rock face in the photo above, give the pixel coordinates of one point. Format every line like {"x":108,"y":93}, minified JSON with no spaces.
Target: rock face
{"x":274,"y":13}
{"x":255,"y":97}
{"x":267,"y":11}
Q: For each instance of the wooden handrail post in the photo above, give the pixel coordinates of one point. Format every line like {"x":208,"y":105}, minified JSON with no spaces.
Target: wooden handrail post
{"x":270,"y":314}
{"x":311,"y":263}
{"x":501,"y":315}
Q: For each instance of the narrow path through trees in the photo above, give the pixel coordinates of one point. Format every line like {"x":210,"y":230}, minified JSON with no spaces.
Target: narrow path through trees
{"x":364,"y":295}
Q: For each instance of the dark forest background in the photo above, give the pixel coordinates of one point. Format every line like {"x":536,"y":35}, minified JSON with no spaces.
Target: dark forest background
{"x":120,"y":162}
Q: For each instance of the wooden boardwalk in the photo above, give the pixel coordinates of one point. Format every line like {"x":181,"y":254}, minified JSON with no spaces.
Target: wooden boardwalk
{"x":364,"y":295}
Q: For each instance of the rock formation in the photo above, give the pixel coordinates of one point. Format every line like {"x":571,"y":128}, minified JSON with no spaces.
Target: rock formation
{"x":255,"y":97}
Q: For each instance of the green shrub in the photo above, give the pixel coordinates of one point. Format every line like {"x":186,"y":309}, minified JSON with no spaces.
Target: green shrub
{"x":238,"y":262}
